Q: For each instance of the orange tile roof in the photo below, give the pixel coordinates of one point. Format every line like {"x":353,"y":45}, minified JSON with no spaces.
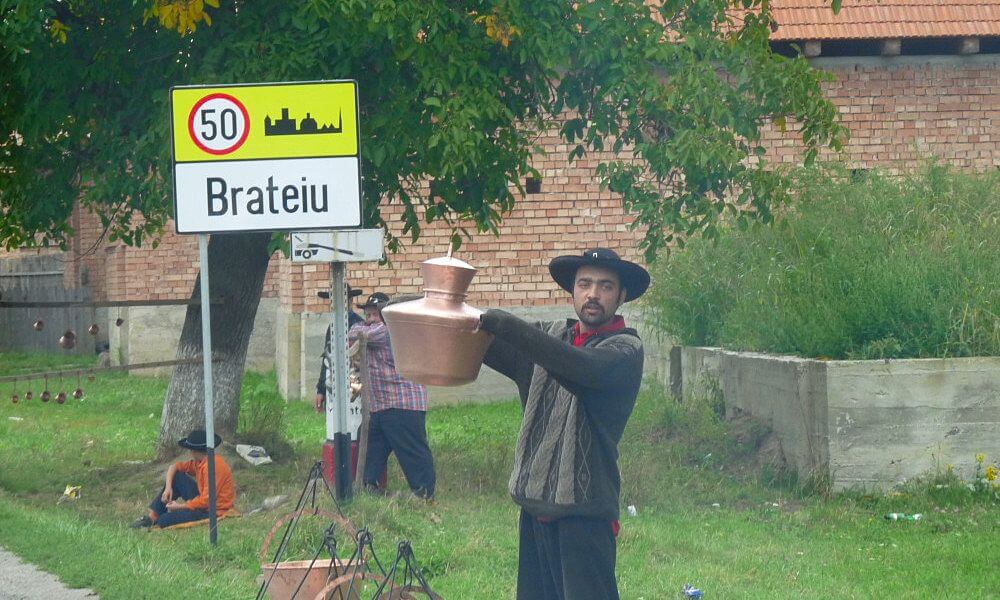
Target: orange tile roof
{"x":885,"y":19}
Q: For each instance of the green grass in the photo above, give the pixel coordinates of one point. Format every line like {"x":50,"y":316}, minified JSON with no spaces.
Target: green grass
{"x":861,"y":267}
{"x":678,"y":459}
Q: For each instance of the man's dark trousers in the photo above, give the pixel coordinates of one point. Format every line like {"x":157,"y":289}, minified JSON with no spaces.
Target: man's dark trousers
{"x":405,"y":433}
{"x":184,"y":487}
{"x":567,"y":559}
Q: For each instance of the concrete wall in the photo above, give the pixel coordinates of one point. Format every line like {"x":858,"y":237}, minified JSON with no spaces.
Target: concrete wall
{"x":299,"y":345}
{"x":891,"y":421}
{"x":151,"y":333}
{"x":786,"y":393}
{"x":868,"y":424}
{"x":299,"y":340}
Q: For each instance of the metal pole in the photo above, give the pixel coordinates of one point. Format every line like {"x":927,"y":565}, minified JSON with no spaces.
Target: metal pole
{"x":336,"y":411}
{"x":206,"y":356}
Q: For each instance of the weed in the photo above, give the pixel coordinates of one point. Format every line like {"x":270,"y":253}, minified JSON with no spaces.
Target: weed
{"x":865,"y":268}
{"x":262,"y":413}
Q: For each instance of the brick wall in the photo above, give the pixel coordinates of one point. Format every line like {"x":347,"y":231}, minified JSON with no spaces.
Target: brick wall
{"x":901,"y":111}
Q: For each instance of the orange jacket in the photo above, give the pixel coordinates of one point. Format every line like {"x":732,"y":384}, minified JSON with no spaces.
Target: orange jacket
{"x":225,"y":489}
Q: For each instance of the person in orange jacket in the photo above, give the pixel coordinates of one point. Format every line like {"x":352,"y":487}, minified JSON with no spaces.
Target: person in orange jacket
{"x":184,"y":496}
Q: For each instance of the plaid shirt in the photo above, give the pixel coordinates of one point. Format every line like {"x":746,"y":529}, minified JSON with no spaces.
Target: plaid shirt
{"x":388,"y":388}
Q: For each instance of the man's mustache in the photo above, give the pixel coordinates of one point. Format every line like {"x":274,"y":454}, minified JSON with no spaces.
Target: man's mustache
{"x":593,"y":305}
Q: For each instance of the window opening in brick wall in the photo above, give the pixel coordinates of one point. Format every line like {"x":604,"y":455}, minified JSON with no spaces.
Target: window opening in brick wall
{"x":925,"y":46}
{"x":533,"y":185}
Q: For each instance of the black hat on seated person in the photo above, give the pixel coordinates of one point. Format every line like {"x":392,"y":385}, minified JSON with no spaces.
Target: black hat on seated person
{"x":196,"y":440}
{"x":633,"y":277}
{"x":377,"y":300}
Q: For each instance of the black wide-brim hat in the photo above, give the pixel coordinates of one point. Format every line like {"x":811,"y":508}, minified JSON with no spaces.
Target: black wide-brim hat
{"x":377,"y":300}
{"x":633,"y":277}
{"x":196,"y":441}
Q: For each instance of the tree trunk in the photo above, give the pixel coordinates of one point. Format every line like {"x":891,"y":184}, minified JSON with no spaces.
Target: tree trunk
{"x":237,"y":266}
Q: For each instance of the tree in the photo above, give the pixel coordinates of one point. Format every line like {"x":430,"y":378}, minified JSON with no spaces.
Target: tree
{"x":453,"y":91}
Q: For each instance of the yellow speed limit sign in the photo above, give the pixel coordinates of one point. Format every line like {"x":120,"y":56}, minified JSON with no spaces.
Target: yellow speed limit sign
{"x":266,"y":157}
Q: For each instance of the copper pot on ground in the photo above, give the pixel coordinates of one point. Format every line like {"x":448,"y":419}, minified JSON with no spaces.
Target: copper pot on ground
{"x":436,"y":340}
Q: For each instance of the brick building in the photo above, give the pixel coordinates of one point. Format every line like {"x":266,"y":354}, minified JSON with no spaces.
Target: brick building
{"x":913,"y":79}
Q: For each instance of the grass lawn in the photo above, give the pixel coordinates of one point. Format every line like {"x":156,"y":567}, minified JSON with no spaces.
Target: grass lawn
{"x":705,"y":514}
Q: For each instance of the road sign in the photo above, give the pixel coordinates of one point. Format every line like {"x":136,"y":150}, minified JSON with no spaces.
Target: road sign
{"x":352,"y":245}
{"x":266,"y":157}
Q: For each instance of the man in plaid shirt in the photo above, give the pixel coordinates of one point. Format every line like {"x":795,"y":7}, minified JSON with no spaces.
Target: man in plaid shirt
{"x":398,"y":408}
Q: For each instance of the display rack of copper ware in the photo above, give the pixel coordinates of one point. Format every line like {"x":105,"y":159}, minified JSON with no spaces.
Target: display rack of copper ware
{"x":436,"y":339}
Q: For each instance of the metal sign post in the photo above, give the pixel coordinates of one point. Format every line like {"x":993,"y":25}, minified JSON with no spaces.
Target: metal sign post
{"x":206,"y":357}
{"x":342,"y":415}
{"x":336,"y":411}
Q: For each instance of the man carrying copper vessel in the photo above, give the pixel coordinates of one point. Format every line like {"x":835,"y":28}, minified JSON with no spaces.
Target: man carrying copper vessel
{"x":578,"y":381}
{"x":398,"y":421}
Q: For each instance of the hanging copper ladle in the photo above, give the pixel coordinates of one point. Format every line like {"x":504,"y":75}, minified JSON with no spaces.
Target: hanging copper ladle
{"x":78,"y":392}
{"x":68,"y":340}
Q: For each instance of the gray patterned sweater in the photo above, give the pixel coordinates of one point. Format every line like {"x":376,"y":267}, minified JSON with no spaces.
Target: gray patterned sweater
{"x":576,"y":404}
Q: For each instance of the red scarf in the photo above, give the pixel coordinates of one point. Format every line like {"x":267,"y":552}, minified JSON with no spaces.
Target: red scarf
{"x":580,"y":338}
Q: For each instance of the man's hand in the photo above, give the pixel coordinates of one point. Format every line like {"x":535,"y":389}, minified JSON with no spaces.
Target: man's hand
{"x":320,"y":402}
{"x":168,"y":495}
{"x":174,"y":505}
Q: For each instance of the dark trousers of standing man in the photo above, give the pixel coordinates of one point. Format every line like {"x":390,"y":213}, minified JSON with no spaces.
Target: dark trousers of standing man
{"x":405,"y":433}
{"x":566,"y":559}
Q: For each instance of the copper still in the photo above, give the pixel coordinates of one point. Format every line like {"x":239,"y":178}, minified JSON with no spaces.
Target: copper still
{"x":436,"y":340}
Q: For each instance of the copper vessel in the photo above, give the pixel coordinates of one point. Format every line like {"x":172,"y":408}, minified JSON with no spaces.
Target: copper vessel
{"x":436,"y":340}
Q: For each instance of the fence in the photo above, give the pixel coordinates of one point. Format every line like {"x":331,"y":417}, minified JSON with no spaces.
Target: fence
{"x":39,"y":278}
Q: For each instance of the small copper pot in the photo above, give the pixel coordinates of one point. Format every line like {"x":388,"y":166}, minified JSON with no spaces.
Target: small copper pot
{"x":436,"y":340}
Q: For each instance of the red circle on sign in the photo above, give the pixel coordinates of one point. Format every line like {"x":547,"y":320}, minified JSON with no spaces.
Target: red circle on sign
{"x":236,"y":145}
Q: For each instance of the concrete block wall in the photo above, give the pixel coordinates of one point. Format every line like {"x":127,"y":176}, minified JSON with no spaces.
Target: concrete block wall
{"x":866,"y":424}
{"x":891,"y":421}
{"x":151,"y":334}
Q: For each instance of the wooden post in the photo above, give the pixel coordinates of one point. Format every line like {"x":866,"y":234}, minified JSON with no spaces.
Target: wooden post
{"x":361,"y":357}
{"x":812,"y":48}
{"x":968,"y":45}
{"x":891,"y":47}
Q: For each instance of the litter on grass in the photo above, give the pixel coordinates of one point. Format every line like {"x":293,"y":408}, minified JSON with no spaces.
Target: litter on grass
{"x":255,"y":455}
{"x":72,"y":492}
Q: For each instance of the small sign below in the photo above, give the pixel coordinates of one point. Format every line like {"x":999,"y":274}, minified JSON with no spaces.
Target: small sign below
{"x":349,"y":245}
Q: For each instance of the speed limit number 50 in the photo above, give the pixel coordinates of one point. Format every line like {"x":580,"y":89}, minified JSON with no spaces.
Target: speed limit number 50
{"x":219,"y":124}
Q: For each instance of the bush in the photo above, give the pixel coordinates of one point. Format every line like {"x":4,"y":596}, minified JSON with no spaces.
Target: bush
{"x":262,"y":414}
{"x":861,"y":267}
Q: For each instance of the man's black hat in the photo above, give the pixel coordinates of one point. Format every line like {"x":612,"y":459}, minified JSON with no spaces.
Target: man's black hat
{"x":351,"y":293}
{"x":377,"y":300}
{"x":196,"y":441}
{"x":634,"y":278}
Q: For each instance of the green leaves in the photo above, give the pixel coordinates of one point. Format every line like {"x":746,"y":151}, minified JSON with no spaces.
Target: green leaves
{"x":673,"y":102}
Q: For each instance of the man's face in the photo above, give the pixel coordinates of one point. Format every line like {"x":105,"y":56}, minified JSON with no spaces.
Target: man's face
{"x":372,"y":315}
{"x":597,"y":294}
